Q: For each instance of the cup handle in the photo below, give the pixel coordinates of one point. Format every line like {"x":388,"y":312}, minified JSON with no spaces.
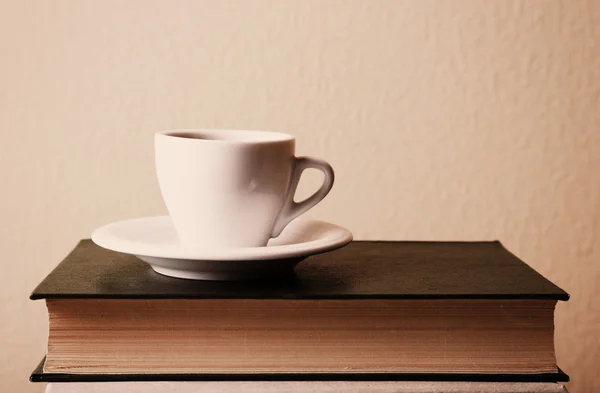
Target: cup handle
{"x":291,"y":209}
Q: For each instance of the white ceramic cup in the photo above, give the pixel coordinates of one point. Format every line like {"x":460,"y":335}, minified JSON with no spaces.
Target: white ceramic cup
{"x":232,"y":188}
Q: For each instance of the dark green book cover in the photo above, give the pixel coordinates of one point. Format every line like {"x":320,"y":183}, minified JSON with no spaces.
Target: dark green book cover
{"x":362,"y":269}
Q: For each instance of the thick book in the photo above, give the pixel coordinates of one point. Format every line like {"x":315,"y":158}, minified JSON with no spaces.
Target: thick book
{"x":306,"y":387}
{"x":463,"y":308}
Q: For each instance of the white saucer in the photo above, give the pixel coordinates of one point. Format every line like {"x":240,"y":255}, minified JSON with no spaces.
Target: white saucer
{"x":154,"y":241}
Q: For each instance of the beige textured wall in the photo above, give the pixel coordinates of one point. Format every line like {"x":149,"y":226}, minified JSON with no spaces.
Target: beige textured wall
{"x":443,"y":120}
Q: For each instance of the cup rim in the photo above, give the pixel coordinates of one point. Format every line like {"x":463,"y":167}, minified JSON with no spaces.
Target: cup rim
{"x":227,"y":136}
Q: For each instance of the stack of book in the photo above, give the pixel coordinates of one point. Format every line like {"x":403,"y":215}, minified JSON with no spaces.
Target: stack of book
{"x":370,"y":317}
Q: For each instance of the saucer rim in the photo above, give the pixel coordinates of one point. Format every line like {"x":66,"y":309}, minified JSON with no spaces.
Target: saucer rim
{"x":105,"y":239}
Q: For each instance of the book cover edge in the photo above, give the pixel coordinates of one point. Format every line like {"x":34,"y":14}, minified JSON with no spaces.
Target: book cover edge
{"x":38,"y":375}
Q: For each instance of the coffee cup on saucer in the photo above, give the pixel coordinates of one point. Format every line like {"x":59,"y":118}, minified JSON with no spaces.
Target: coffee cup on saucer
{"x":232,"y":214}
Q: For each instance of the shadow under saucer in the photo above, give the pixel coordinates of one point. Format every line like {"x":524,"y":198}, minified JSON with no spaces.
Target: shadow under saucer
{"x":222,"y":270}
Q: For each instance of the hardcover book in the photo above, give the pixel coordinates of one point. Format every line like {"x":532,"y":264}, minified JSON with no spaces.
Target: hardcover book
{"x":371,"y":308}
